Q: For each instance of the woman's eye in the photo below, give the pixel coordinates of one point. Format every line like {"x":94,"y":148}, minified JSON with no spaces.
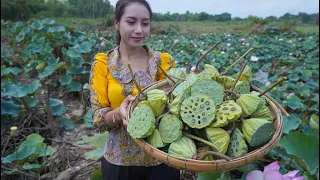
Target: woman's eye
{"x":146,"y":24}
{"x":130,"y":22}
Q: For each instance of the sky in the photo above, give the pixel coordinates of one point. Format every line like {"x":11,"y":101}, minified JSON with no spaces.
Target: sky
{"x":237,"y":8}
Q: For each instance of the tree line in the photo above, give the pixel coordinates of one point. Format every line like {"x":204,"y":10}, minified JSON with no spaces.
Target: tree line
{"x":22,"y":10}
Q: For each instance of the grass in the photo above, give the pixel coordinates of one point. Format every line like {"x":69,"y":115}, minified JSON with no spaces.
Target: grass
{"x":196,"y":27}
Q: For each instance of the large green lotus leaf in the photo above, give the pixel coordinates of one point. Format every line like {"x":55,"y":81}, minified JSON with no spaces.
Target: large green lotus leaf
{"x":291,"y":123}
{"x":20,"y":37}
{"x":72,"y":53}
{"x":29,"y":88}
{"x":57,"y":107}
{"x":198,"y":111}
{"x":37,"y":24}
{"x":55,"y":29}
{"x":170,"y":128}
{"x":65,"y":79}
{"x":66,"y":123}
{"x":84,"y":47}
{"x":35,"y":167}
{"x":75,"y":86}
{"x":314,"y":122}
{"x":76,"y":70}
{"x":303,"y":146}
{"x":88,"y":119}
{"x":9,"y":89}
{"x":210,"y":88}
{"x":12,"y":70}
{"x":30,"y":149}
{"x":47,"y":71}
{"x":9,"y":107}
{"x":95,"y":154}
{"x":142,"y":122}
{"x":97,"y":141}
{"x":48,"y":21}
{"x":294,"y":102}
{"x":31,"y":101}
{"x":77,"y":62}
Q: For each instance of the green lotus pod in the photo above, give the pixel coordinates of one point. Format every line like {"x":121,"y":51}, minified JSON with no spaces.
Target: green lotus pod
{"x":185,"y":85}
{"x":246,"y":75}
{"x":262,"y":112}
{"x":155,"y":139}
{"x":177,"y":72}
{"x":176,"y":103}
{"x":220,"y":120}
{"x":248,"y":103}
{"x":157,"y":100}
{"x":183,"y":148}
{"x":263,"y":99}
{"x":142,"y":122}
{"x":225,"y":81}
{"x":230,"y":109}
{"x":143,"y":102}
{"x":205,"y":149}
{"x":209,"y":72}
{"x":210,"y":88}
{"x":197,"y":111}
{"x":237,"y":146}
{"x":257,"y":131}
{"x":219,"y":138}
{"x":170,"y":128}
{"x":242,"y":87}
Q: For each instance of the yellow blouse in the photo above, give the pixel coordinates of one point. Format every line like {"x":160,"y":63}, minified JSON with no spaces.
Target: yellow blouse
{"x":110,"y":82}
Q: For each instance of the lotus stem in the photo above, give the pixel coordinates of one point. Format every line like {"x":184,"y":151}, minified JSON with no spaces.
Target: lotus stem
{"x":200,"y":140}
{"x":232,"y":92}
{"x":204,"y":55}
{"x":159,"y":117}
{"x":171,"y":89}
{"x":164,"y":72}
{"x":216,"y":154}
{"x":273,"y":85}
{"x":239,"y":75}
{"x":135,"y":82}
{"x":228,"y":68}
{"x":229,"y":131}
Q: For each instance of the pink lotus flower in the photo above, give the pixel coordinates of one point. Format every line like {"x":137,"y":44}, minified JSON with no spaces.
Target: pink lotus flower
{"x":271,"y":172}
{"x":184,"y":69}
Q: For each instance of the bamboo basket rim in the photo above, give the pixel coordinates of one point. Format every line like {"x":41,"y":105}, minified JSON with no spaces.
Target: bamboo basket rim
{"x":216,"y":165}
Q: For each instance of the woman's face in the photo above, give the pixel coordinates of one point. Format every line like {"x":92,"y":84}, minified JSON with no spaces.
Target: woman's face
{"x":134,"y":25}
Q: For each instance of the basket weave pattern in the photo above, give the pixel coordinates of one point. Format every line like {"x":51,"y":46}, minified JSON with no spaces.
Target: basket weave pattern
{"x":216,"y":165}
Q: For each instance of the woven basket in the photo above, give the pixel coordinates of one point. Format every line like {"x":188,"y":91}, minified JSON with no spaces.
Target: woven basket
{"x":216,"y":165}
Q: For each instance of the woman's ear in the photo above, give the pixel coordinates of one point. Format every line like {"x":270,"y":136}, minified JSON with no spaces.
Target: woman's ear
{"x":116,"y":25}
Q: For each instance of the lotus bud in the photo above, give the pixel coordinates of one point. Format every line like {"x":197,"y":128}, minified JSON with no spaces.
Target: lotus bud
{"x":183,"y":147}
{"x":155,"y":139}
{"x":219,"y":138}
{"x":157,"y":100}
{"x":238,"y":146}
{"x":248,"y":103}
{"x":257,"y":131}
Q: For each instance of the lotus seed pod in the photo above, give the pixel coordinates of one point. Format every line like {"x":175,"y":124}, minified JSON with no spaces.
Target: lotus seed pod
{"x":219,"y":138}
{"x":209,"y":72}
{"x":225,"y":81}
{"x":185,"y":85}
{"x":263,"y":113}
{"x":176,"y":103}
{"x":155,"y":139}
{"x":157,"y":100}
{"x":197,"y":111}
{"x":257,"y":131}
{"x":210,"y":88}
{"x":170,"y":128}
{"x":142,"y":122}
{"x":246,"y":75}
{"x":177,"y":72}
{"x":220,"y":120}
{"x":248,"y":103}
{"x":230,"y":109}
{"x":238,"y":146}
{"x":183,"y":148}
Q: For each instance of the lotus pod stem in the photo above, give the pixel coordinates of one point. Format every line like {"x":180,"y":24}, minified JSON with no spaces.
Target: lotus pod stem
{"x":228,"y":68}
{"x":164,"y":72}
{"x":199,"y":139}
{"x":204,"y":55}
{"x":273,"y":85}
{"x":203,"y":155}
{"x":239,"y":75}
{"x":135,"y":82}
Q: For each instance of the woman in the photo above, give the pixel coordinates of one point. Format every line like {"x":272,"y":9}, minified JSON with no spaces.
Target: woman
{"x":112,"y":89}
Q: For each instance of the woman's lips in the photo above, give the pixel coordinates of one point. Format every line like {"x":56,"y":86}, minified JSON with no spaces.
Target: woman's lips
{"x":137,"y":38}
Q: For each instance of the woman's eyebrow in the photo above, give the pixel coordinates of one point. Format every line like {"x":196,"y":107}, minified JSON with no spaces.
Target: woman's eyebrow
{"x":134,"y":18}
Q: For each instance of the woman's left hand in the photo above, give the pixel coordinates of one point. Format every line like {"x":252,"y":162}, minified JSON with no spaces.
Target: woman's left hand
{"x":123,"y":109}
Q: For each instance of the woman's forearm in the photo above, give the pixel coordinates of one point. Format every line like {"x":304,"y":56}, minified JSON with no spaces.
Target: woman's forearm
{"x":113,"y":118}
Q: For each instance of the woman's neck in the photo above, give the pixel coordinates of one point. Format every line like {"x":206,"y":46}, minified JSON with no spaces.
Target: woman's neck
{"x":128,"y":54}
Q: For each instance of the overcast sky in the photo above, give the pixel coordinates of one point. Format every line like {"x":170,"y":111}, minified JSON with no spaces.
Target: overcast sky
{"x":237,"y":8}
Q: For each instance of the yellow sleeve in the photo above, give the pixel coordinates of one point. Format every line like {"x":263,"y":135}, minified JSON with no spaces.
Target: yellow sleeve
{"x":167,"y":62}
{"x":98,"y":84}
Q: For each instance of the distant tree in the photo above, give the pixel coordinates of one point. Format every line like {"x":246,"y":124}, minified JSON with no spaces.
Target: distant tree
{"x":203,"y":16}
{"x":15,"y":10}
{"x":271,"y":18}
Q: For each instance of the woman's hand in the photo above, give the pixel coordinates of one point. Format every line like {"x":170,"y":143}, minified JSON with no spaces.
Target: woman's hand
{"x":123,"y":109}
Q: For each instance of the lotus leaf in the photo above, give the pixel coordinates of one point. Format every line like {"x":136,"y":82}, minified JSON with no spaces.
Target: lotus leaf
{"x":210,"y":88}
{"x":197,"y":111}
{"x":183,"y":147}
{"x":157,"y":100}
{"x":170,"y":128}
{"x":248,"y":103}
{"x":219,"y":138}
{"x":238,"y":146}
{"x":155,"y":139}
{"x":142,"y":122}
{"x":257,"y":131}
